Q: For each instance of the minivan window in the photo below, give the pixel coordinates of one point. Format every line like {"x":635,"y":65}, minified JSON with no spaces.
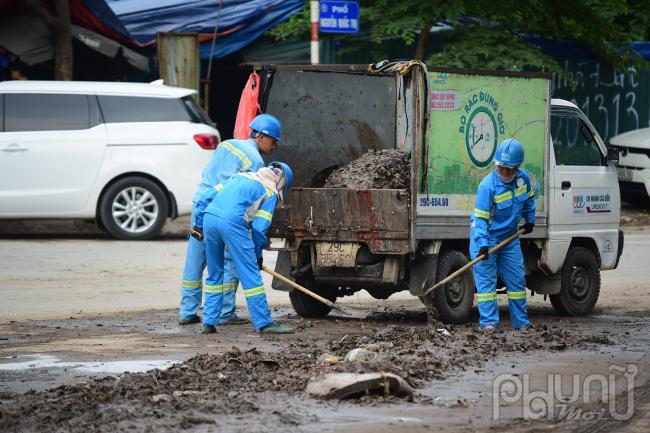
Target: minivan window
{"x":573,"y":142}
{"x":196,"y":112}
{"x":45,"y":112}
{"x":120,"y":109}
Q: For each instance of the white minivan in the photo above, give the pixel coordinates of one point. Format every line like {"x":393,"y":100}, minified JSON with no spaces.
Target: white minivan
{"x":634,"y":164}
{"x":128,"y":155}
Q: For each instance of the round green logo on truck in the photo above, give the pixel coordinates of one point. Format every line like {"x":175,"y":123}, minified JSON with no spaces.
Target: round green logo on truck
{"x":481,"y":137}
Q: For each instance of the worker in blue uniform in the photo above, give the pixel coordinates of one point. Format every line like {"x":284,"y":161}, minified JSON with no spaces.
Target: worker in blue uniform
{"x":236,"y":215}
{"x":503,"y":197}
{"x":230,"y":158}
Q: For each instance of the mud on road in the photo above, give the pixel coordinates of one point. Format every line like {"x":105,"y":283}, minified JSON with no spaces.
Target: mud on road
{"x":75,"y":364}
{"x":244,"y":382}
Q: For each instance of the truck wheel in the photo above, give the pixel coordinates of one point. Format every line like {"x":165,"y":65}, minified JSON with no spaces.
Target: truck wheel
{"x":454,"y":300}
{"x":133,"y":208}
{"x":306,"y":306}
{"x":580,"y":285}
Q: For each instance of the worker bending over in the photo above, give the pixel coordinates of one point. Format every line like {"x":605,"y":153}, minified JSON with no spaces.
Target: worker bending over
{"x":236,"y":216}
{"x":230,"y":158}
{"x":503,"y":197}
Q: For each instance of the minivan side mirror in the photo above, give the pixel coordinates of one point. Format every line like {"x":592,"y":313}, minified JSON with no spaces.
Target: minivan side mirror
{"x":612,"y":156}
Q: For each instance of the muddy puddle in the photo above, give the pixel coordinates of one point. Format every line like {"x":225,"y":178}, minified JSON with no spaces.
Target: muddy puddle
{"x":383,"y":169}
{"x":263,"y":385}
{"x":47,"y":362}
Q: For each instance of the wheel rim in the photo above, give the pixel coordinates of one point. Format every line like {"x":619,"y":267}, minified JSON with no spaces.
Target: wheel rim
{"x":580,"y":283}
{"x":135,"y":209}
{"x":455,"y":292}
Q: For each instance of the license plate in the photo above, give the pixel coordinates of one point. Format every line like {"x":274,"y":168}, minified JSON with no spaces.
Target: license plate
{"x":624,"y":173}
{"x":337,"y":254}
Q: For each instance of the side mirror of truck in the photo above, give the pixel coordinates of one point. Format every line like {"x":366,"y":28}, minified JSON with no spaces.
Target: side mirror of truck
{"x":612,"y":156}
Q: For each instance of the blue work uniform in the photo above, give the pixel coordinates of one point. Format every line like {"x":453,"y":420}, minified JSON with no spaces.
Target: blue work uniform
{"x":236,"y":216}
{"x":499,"y":208}
{"x":230,"y":158}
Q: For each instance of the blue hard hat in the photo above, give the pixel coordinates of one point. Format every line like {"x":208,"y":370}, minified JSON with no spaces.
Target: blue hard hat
{"x":287,"y":173}
{"x":267,"y":124}
{"x":510,"y":153}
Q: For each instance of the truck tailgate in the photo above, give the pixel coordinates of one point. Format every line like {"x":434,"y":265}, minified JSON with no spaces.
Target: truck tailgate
{"x":378,"y":217}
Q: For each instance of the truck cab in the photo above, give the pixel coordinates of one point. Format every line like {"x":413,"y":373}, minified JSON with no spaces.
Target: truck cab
{"x":583,"y":234}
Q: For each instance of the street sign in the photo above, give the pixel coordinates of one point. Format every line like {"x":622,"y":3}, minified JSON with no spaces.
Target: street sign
{"x":339,"y":16}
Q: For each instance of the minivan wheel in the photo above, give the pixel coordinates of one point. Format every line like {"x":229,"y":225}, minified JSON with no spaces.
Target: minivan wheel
{"x":133,"y":208}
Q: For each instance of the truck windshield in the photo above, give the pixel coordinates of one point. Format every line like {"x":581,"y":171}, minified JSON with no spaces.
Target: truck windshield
{"x":196,"y":112}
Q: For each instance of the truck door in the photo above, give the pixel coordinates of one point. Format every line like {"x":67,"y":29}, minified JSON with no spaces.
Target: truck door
{"x":585,"y":195}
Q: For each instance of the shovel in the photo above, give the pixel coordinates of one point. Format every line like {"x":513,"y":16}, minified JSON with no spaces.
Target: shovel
{"x":306,"y":291}
{"x":473,"y":262}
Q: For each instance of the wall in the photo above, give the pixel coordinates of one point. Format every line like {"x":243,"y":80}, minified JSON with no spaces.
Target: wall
{"x":615,"y":101}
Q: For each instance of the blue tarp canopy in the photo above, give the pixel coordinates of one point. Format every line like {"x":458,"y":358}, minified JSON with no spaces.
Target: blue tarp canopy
{"x":238,"y":22}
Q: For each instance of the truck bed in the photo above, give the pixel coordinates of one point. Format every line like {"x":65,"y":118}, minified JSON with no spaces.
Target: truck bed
{"x":378,"y":217}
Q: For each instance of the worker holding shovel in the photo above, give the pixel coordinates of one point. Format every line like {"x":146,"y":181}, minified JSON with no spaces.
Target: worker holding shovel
{"x":503,"y":197}
{"x":230,"y":158}
{"x":236,"y":216}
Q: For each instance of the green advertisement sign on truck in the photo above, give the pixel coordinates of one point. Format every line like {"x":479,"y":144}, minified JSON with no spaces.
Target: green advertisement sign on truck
{"x":469,"y":116}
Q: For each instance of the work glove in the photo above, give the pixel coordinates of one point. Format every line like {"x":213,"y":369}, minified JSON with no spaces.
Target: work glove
{"x":484,"y":251}
{"x":197,"y":233}
{"x":259,"y":262}
{"x":528,"y":227}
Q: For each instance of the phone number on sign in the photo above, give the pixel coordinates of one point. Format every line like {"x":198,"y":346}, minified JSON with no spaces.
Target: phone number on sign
{"x":434,"y":201}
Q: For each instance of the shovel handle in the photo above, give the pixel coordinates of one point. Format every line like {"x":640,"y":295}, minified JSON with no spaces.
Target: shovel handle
{"x":473,"y":262}
{"x":302,"y":289}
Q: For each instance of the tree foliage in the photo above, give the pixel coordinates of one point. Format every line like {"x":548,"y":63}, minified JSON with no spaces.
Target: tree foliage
{"x":491,"y":35}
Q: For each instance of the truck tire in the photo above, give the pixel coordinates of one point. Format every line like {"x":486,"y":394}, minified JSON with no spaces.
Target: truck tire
{"x":454,"y":300}
{"x":580,"y":283}
{"x":308,"y":307}
{"x":133,"y":208}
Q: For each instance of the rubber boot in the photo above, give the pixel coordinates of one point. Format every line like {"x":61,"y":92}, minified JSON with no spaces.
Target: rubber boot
{"x":209,"y":329}
{"x":190,"y":321}
{"x":237,"y":320}
{"x":276,"y":328}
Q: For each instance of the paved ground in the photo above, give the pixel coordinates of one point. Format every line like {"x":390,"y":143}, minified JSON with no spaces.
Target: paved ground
{"x":78,"y":308}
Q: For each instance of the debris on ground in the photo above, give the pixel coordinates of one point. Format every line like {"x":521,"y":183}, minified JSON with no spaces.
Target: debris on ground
{"x":327,"y":358}
{"x":383,"y":169}
{"x":346,"y":385}
{"x":243,"y":381}
{"x":358,"y":354}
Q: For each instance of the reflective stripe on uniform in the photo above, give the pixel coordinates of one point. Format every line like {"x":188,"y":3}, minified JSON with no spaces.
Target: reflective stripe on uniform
{"x":517,"y":295}
{"x":227,"y":287}
{"x":482,"y":214}
{"x":485,"y":297}
{"x":503,"y":197}
{"x":239,"y":154}
{"x":531,"y":193}
{"x":264,"y":214}
{"x":214,"y":289}
{"x":255,"y":291}
{"x":520,"y":190}
{"x":191,"y":284}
